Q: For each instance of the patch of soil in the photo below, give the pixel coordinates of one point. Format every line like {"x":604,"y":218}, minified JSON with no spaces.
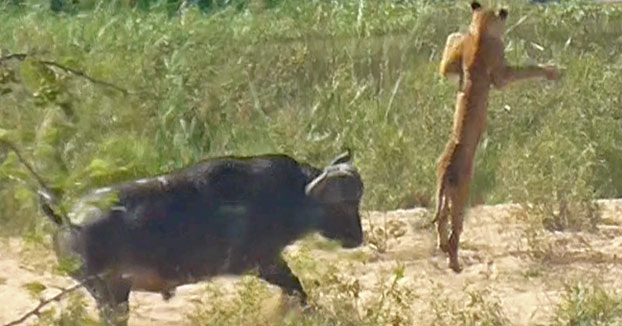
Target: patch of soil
{"x":497,"y":253}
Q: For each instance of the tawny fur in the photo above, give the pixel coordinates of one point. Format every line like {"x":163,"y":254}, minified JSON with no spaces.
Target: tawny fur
{"x":477,"y":59}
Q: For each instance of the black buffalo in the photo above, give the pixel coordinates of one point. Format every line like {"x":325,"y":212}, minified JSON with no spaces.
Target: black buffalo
{"x":225,"y":215}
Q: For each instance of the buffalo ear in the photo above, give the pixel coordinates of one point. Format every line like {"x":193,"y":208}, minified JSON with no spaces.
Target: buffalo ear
{"x":475,"y":5}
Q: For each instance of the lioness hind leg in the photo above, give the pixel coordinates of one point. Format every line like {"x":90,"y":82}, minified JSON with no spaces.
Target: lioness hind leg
{"x":442,"y":214}
{"x":459,"y":200}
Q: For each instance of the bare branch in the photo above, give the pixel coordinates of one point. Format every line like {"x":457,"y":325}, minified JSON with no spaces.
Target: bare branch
{"x":16,"y":56}
{"x":37,"y":310}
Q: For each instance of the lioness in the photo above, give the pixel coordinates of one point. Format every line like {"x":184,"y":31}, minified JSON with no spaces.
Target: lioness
{"x":477,"y":59}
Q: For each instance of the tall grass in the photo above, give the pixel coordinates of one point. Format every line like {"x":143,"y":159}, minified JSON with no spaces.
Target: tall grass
{"x":306,"y":78}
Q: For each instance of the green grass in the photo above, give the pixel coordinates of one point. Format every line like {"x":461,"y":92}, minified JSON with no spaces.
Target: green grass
{"x":340,"y":303}
{"x":308,"y":79}
{"x":72,"y":313}
{"x":587,"y":304}
{"x":479,"y":308}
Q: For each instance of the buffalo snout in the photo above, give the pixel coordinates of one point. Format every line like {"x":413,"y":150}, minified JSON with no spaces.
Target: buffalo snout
{"x":342,"y":222}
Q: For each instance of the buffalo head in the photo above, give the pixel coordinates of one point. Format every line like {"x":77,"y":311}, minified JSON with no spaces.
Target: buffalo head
{"x":338,"y":190}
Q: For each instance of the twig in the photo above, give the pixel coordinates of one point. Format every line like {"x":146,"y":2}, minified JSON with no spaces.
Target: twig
{"x":518,"y":23}
{"x":359,"y":18}
{"x":79,"y":73}
{"x":85,"y":76}
{"x":37,"y":310}
{"x":395,"y":88}
{"x":16,"y":56}
{"x":45,"y":192}
{"x":40,"y":180}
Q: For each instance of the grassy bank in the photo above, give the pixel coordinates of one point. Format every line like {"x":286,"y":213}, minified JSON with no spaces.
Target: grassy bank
{"x":307,"y":79}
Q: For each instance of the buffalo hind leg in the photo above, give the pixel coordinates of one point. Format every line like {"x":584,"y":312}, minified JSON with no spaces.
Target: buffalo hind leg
{"x":112,"y":296}
{"x":278,"y":273}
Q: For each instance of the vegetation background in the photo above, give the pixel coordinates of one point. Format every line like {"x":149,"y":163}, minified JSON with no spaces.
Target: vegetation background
{"x":306,"y":78}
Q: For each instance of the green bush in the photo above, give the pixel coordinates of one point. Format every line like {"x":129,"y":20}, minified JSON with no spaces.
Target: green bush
{"x":587,"y":304}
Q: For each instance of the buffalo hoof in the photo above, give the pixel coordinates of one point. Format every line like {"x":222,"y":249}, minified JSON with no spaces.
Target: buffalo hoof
{"x":167,"y":294}
{"x":302,"y":299}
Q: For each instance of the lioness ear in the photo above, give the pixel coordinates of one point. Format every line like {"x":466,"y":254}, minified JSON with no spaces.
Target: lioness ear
{"x":475,"y":5}
{"x":503,"y":14}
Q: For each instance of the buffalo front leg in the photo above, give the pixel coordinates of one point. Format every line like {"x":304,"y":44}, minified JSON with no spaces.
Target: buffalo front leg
{"x":111,"y":294}
{"x":278,"y":273}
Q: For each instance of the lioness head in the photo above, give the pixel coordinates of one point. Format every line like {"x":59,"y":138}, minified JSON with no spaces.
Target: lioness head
{"x":488,"y":21}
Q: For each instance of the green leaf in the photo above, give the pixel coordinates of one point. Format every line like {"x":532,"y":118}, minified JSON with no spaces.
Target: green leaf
{"x":34,"y":288}
{"x":68,"y":265}
{"x":42,"y":81}
{"x":106,"y":201}
{"x":98,"y":168}
{"x":4,"y":134}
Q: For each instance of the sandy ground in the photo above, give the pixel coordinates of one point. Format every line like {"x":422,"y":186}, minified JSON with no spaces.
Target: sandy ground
{"x":496,"y":257}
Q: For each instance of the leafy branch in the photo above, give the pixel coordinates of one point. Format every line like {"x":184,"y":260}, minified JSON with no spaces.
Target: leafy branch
{"x":79,"y":73}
